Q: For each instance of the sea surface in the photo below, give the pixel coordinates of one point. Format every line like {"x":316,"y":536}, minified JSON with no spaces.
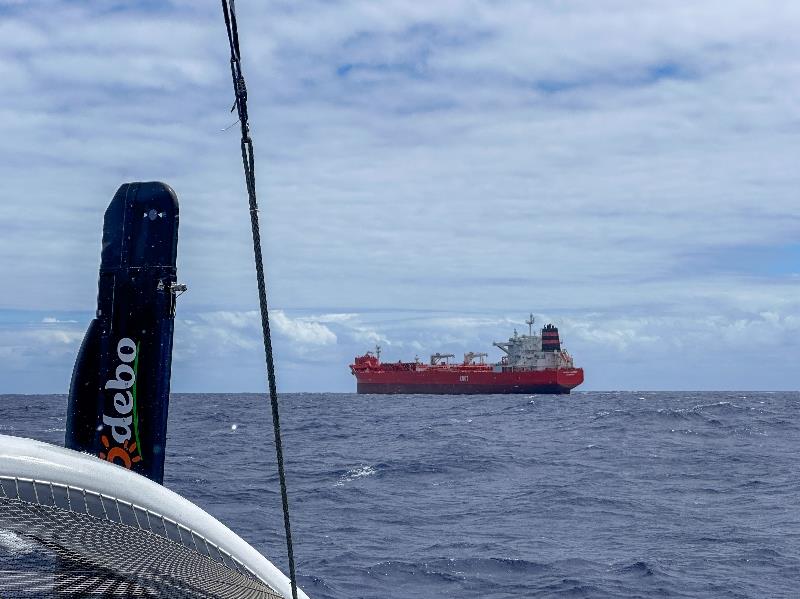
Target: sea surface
{"x":627,"y":494}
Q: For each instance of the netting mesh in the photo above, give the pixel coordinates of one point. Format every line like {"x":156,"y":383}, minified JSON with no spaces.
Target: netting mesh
{"x":60,"y":541}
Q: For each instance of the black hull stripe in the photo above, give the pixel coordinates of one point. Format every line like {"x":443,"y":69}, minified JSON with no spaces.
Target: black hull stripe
{"x":461,"y":389}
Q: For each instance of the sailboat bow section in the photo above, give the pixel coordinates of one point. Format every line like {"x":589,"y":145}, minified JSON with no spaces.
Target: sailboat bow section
{"x":95,"y":521}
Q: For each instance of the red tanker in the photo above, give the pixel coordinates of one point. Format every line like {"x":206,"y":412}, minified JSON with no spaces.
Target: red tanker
{"x":531,"y":364}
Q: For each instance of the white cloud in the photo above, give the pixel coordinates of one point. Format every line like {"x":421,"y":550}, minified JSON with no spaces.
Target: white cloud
{"x":302,"y":331}
{"x":50,"y":337}
{"x":229,"y":319}
{"x":367,"y":335}
{"x":334,"y":317}
{"x":614,"y":336}
{"x":225,"y":331}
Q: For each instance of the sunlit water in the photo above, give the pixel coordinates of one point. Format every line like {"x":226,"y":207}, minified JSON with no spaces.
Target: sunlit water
{"x":589,"y":495}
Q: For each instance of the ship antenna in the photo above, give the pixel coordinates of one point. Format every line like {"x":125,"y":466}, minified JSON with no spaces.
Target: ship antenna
{"x":530,"y":322}
{"x":248,"y":161}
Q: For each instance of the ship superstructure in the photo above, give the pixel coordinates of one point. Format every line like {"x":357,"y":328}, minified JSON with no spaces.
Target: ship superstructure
{"x":531,"y":364}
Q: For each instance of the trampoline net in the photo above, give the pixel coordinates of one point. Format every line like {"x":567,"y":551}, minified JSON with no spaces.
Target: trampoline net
{"x":62,"y":541}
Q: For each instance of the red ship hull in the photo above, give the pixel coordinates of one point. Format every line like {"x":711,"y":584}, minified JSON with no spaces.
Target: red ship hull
{"x":462,"y":380}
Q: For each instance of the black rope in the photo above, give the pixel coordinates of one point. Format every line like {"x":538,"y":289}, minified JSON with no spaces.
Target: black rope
{"x":239,"y":88}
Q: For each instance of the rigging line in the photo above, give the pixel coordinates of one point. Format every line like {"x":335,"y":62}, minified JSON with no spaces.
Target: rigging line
{"x":248,"y":162}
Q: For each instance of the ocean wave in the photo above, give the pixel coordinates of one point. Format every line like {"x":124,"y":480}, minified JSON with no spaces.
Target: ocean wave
{"x":449,"y":568}
{"x":355,"y":474}
{"x":641,"y":568}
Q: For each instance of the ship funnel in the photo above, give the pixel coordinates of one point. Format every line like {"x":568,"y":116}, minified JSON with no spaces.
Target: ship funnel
{"x":550,"y":339}
{"x":119,"y":394}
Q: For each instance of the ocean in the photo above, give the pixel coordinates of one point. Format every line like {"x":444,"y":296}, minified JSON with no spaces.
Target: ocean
{"x":616,"y":494}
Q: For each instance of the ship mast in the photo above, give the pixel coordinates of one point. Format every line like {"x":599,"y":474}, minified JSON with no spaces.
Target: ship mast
{"x":530,"y":322}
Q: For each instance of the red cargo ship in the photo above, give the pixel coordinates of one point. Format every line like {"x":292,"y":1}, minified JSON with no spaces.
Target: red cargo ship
{"x":531,"y":364}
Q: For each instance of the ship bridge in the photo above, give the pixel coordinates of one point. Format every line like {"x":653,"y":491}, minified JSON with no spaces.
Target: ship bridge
{"x":534,"y":352}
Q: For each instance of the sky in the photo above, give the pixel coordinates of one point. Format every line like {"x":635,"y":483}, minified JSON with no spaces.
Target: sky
{"x":428,"y":173}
